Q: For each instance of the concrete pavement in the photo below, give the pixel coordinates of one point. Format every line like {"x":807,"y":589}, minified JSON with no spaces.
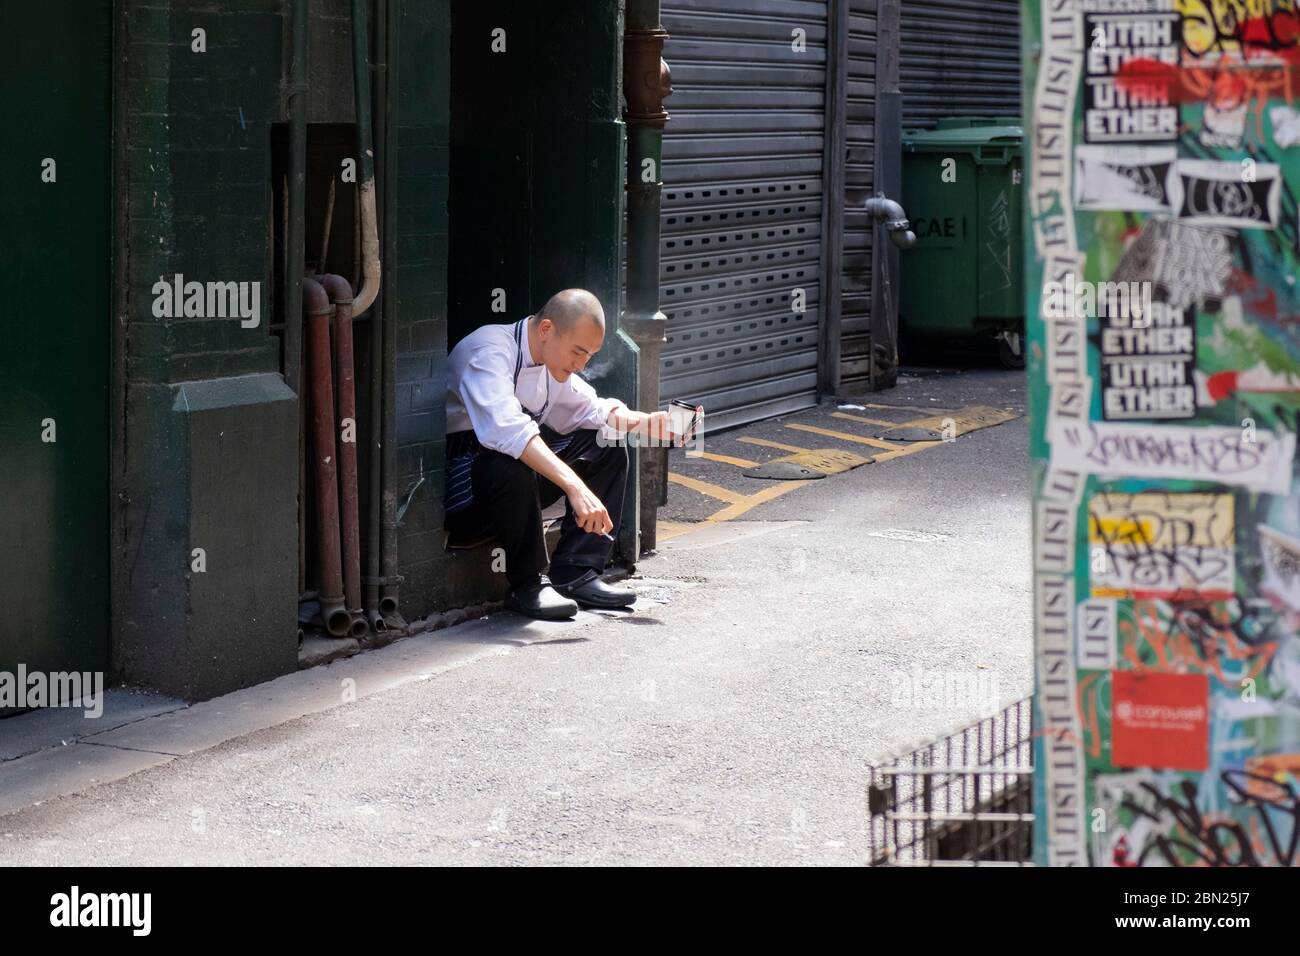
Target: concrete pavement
{"x":728,"y":720}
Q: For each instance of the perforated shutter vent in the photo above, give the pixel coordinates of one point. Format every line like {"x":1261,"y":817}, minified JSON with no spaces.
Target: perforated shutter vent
{"x":742,"y":206}
{"x":959,"y":58}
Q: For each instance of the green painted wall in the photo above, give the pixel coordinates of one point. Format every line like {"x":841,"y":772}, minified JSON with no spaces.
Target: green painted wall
{"x":207,"y":453}
{"x":416,"y":287}
{"x":55,"y":361}
{"x":199,"y":167}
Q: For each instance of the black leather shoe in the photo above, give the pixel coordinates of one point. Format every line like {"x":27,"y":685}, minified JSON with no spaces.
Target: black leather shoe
{"x":590,"y":591}
{"x":540,"y":601}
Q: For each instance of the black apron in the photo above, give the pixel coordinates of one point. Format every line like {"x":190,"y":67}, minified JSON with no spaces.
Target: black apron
{"x":463,"y":447}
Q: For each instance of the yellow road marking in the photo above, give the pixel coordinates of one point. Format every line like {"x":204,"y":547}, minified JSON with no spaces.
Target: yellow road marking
{"x":829,"y":461}
{"x":667,"y":530}
{"x":926,"y":422}
{"x":753,"y":501}
{"x":773,"y":444}
{"x":728,"y":460}
{"x":964,"y":420}
{"x":676,"y":529}
{"x":865,"y":420}
{"x":911,"y":449}
{"x":739,"y":504}
{"x":706,"y":488}
{"x":844,"y":436}
{"x":914,"y":408}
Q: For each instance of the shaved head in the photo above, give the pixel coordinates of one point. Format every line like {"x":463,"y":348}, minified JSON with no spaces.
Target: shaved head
{"x":567,"y":333}
{"x":566,"y":308}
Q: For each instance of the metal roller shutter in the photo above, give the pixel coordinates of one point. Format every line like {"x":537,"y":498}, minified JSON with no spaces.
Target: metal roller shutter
{"x":859,"y":185}
{"x":959,"y":58}
{"x":742,"y":204}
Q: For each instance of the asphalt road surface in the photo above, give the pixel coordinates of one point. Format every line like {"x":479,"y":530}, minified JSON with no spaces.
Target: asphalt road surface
{"x":729,"y":720}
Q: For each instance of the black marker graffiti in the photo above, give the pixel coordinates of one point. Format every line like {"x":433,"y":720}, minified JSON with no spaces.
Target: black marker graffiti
{"x":1149,"y":540}
{"x":1193,"y":454}
{"x":1221,"y":842}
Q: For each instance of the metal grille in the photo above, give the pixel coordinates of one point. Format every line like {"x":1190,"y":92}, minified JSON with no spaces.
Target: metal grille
{"x":959,"y":58}
{"x":742,"y":205}
{"x":859,"y":185}
{"x":961,"y":800}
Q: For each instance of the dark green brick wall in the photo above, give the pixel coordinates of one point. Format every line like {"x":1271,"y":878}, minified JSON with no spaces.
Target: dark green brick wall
{"x":417,"y":281}
{"x":206,"y":456}
{"x":198,"y":176}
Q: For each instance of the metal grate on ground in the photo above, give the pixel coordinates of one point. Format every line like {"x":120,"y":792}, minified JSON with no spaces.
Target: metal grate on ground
{"x":961,"y":800}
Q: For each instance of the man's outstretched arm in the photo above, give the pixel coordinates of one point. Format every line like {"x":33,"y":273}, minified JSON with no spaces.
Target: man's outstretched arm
{"x":588,"y":510}
{"x":654,"y":425}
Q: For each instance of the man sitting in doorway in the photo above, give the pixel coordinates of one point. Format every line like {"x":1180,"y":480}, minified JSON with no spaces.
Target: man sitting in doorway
{"x":521,"y":432}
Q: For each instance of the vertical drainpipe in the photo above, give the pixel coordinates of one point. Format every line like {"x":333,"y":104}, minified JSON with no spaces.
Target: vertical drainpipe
{"x":295,"y":258}
{"x":366,"y":295}
{"x":888,"y":176}
{"x":297,"y":233}
{"x":325,"y":461}
{"x":646,"y":81}
{"x":370,"y":266}
{"x":388,"y":600}
{"x":383,"y":306}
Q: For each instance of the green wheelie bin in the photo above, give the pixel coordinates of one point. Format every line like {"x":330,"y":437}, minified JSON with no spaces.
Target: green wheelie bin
{"x":964,"y":278}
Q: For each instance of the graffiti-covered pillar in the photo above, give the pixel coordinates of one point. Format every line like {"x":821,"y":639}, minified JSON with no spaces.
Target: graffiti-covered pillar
{"x":1161,"y":241}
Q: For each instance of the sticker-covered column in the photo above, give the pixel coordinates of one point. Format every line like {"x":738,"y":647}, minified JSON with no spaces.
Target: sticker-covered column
{"x":1164,"y":359}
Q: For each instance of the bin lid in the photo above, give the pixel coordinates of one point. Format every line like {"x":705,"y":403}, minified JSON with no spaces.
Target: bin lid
{"x":965,"y":122}
{"x":969,"y":137}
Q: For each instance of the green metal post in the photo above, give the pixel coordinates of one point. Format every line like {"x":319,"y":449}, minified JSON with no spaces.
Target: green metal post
{"x":646,"y":81}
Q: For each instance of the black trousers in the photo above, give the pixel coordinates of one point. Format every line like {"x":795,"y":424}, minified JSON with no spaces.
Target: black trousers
{"x":509,"y":498}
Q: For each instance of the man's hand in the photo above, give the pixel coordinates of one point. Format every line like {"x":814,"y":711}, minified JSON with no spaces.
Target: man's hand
{"x":588,"y":510}
{"x":656,"y":426}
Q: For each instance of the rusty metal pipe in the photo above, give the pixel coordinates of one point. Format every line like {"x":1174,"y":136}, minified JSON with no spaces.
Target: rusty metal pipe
{"x":360,"y":628}
{"x":340,"y":292}
{"x":316,"y":304}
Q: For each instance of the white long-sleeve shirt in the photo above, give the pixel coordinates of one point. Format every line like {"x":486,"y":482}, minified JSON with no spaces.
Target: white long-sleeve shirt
{"x":483,"y":395}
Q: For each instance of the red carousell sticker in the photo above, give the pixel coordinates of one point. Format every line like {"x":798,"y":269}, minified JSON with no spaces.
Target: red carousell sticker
{"x":1159,"y":720}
